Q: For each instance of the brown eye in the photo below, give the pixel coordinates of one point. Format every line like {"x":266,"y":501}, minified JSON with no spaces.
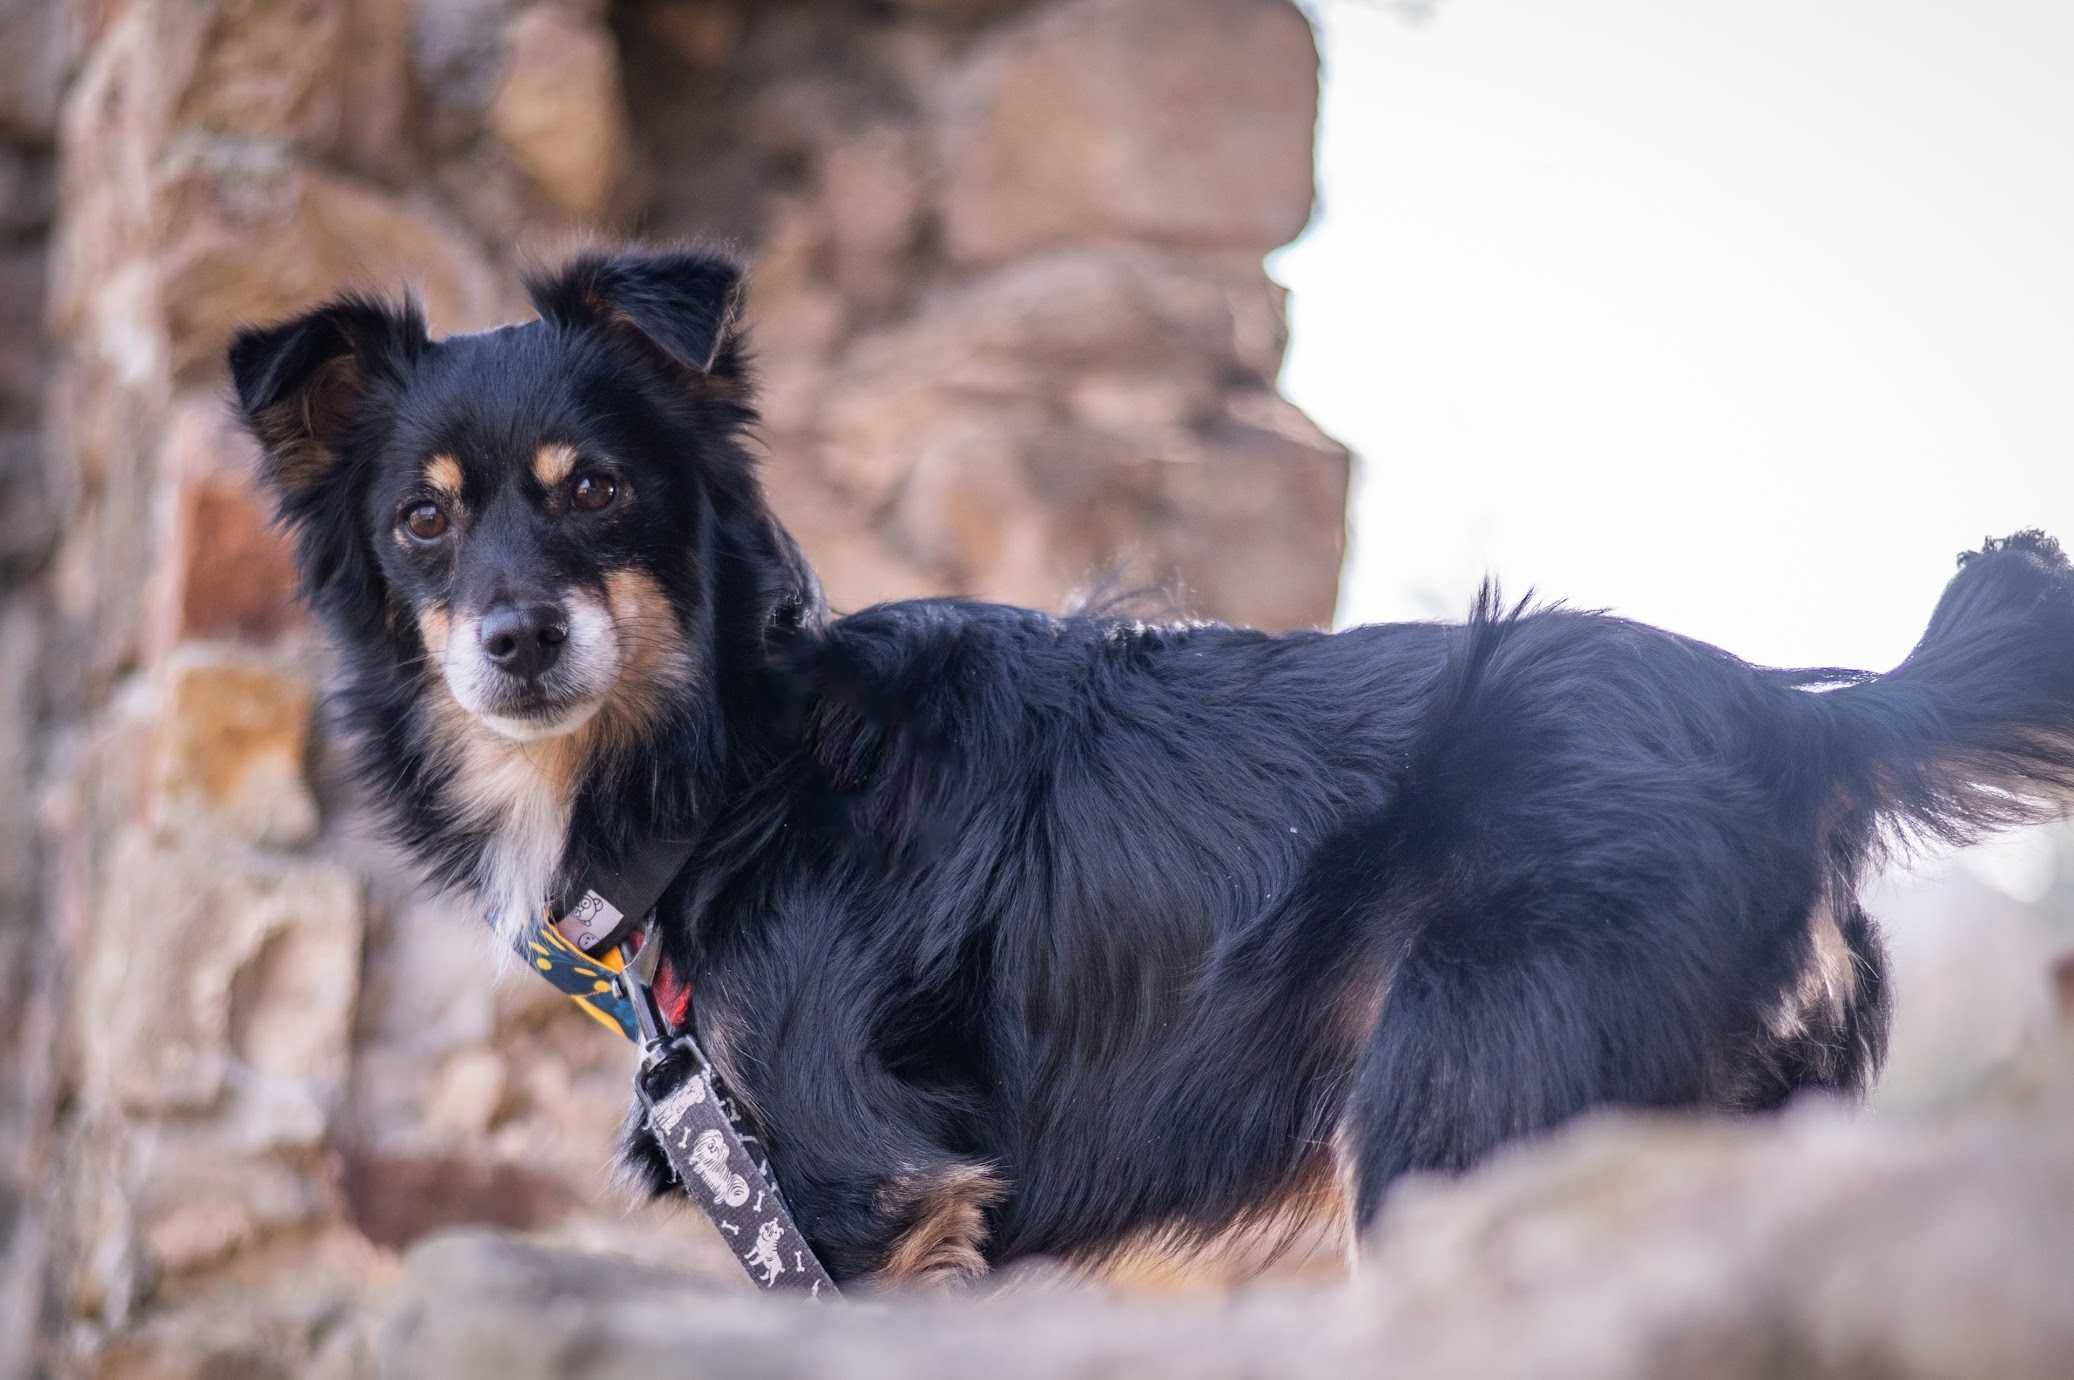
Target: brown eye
{"x":593,"y":491}
{"x":426,"y":522}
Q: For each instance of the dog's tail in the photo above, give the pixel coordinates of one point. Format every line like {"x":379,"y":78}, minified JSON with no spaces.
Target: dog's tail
{"x":1975,"y":729}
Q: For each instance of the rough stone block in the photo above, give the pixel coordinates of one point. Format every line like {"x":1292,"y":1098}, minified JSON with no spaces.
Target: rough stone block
{"x":260,"y":69}
{"x":1627,"y":1246}
{"x":1019,"y":334}
{"x":1253,"y":520}
{"x":558,"y":108}
{"x":229,"y":573}
{"x":1021,"y":506}
{"x":210,"y":967}
{"x":233,"y":733}
{"x":253,"y":233}
{"x":1187,"y":122}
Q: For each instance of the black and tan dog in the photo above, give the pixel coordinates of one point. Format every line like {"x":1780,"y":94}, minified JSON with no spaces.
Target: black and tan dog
{"x":1078,"y":937}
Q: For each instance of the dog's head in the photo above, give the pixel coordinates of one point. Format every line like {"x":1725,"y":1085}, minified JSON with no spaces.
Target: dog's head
{"x":544,"y":512}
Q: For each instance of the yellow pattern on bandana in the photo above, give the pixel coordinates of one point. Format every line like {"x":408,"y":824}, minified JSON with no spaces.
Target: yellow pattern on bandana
{"x":584,"y":980}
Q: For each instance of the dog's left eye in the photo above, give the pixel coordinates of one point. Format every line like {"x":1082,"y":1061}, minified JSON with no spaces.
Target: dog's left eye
{"x":426,"y":522}
{"x":592,"y":491}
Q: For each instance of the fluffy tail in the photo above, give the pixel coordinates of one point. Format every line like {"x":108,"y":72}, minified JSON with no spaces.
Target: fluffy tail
{"x":1975,"y":730}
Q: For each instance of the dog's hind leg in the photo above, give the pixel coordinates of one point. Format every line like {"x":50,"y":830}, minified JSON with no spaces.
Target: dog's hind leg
{"x":1829,"y":1030}
{"x":1589,"y":898}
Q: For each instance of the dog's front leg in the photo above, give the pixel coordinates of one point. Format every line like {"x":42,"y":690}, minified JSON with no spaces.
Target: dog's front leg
{"x":876,"y":1198}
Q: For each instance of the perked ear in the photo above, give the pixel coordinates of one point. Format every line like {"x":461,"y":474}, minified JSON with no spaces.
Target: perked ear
{"x":300,"y":384}
{"x":682,"y":304}
{"x":302,"y":387}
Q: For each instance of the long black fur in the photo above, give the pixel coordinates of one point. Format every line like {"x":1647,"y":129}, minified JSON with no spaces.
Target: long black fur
{"x":1150,"y":922}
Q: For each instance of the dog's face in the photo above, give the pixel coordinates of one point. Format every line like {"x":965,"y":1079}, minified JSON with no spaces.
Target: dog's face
{"x":525,"y":509}
{"x":525,"y":535}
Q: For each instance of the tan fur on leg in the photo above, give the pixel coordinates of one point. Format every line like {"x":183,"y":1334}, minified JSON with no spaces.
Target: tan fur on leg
{"x":944,"y":1243}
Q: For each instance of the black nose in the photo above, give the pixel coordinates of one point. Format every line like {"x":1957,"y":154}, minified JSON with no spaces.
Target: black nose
{"x":524,"y":640}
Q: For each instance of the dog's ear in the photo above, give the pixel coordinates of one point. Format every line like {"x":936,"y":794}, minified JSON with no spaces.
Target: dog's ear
{"x":303,"y":388}
{"x":301,"y":384}
{"x":681,"y":305}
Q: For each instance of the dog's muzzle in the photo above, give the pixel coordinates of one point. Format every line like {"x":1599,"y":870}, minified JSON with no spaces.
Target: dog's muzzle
{"x":535,"y":668}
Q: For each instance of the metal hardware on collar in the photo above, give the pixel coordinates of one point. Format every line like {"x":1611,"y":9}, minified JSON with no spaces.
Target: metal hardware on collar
{"x":715,"y":1157}
{"x":648,"y":1017}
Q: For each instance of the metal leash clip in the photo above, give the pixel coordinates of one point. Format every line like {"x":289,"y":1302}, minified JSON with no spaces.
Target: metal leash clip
{"x":636,"y":977}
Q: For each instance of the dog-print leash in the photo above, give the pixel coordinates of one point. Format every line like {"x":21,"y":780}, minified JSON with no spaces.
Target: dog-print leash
{"x":586,"y":945}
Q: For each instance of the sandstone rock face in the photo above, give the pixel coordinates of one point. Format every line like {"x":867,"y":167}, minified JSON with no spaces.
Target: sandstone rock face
{"x":992,"y":365}
{"x":34,"y":39}
{"x":232,"y":736}
{"x":1075,"y":414}
{"x":264,"y":960}
{"x":261,"y":69}
{"x":253,"y":231}
{"x":228,"y":572}
{"x":558,"y":110}
{"x":972,"y":392}
{"x":1182,"y":121}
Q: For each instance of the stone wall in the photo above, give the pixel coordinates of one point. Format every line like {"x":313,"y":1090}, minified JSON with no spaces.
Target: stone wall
{"x":1010,"y":312}
{"x":32,"y":58}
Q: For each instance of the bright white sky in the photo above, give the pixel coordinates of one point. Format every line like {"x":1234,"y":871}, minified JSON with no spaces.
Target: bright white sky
{"x":1741,"y":318}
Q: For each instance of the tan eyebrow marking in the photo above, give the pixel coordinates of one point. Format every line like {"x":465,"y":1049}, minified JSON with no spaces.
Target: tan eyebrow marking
{"x":443,"y":473}
{"x":552,"y":464}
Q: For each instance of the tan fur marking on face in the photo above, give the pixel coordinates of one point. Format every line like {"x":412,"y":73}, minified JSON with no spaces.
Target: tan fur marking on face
{"x":443,"y":475}
{"x":552,"y":464}
{"x":493,"y":772}
{"x":655,"y":658}
{"x":435,"y":626}
{"x":943,"y":1246}
{"x":1304,"y":1231}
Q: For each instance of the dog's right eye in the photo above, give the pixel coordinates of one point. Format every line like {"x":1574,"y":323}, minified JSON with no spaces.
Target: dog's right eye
{"x":426,"y":522}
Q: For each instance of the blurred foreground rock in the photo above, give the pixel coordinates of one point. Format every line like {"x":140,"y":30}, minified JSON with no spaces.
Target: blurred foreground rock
{"x":1820,"y":1244}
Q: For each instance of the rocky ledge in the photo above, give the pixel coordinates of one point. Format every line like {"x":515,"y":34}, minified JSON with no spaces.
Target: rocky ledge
{"x":1819,"y":1243}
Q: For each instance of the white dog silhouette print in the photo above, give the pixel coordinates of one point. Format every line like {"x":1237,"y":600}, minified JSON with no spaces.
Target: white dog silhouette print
{"x":709,"y":1162}
{"x":765,"y":1255}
